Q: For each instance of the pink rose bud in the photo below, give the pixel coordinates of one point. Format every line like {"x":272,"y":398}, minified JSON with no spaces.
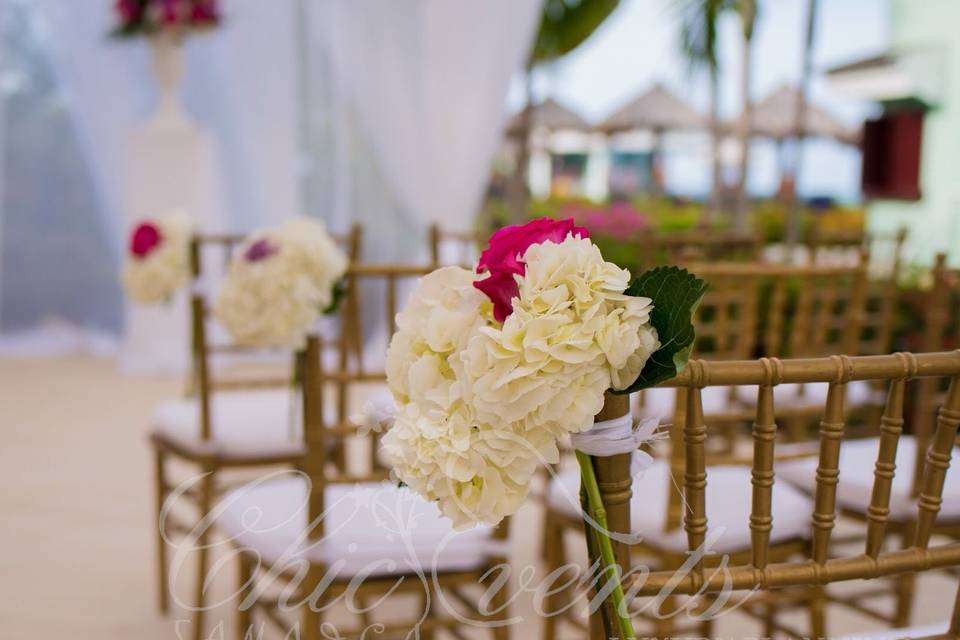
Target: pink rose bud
{"x":146,"y":237}
{"x":502,"y":258}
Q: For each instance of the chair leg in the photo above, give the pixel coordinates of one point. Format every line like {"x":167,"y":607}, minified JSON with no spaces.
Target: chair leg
{"x":310,"y":621}
{"x":818,"y":612}
{"x":553,"y":559}
{"x":498,"y":603}
{"x":160,"y":482}
{"x":199,"y":596}
{"x":663,"y":628}
{"x":244,"y":589}
{"x":905,"y":583}
{"x":768,"y":620}
{"x":427,"y":632}
{"x":706,"y":625}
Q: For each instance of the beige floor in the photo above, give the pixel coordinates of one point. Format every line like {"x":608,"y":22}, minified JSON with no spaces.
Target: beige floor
{"x":76,"y":555}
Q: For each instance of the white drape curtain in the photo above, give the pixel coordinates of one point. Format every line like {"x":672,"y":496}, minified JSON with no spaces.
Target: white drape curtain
{"x":240,"y":84}
{"x":384,"y":113}
{"x":427,"y":80}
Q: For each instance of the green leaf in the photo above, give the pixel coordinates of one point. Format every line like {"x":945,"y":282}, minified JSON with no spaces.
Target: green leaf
{"x":339,"y":290}
{"x":565,"y":25}
{"x":676,"y":293}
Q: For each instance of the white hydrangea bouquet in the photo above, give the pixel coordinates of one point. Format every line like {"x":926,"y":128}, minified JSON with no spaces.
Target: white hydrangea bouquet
{"x":279,"y":282}
{"x":489,"y":369}
{"x":158,"y":258}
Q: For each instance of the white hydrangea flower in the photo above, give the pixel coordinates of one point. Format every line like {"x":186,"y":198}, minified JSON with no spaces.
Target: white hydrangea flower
{"x":279,"y":282}
{"x":479,"y":404}
{"x":476,"y":473}
{"x":442,"y":313}
{"x":156,"y":276}
{"x":572,"y":335}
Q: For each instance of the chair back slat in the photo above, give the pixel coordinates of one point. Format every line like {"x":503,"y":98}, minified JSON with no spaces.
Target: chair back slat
{"x":882,"y":293}
{"x":940,"y":307}
{"x":695,"y":474}
{"x":938,"y":461}
{"x":775,"y":317}
{"x":828,"y":471}
{"x":761,"y":512}
{"x":891,"y":427}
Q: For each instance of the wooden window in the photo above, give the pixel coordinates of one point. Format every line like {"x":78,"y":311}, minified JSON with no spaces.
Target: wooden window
{"x":891,"y":155}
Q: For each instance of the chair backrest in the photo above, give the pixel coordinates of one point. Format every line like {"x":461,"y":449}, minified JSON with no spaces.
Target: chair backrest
{"x":204,"y":383}
{"x":655,"y":248}
{"x":459,"y":248}
{"x":825,"y":564}
{"x":360,"y":367}
{"x":753,"y":309}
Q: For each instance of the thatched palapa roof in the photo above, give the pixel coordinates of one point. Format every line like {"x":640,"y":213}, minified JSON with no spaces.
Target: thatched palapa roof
{"x":656,"y":109}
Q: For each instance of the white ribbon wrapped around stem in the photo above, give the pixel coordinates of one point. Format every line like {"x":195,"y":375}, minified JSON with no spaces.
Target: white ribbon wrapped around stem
{"x":618,"y":436}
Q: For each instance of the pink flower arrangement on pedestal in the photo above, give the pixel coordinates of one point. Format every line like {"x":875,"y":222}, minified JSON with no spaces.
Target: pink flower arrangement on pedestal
{"x":149,"y":17}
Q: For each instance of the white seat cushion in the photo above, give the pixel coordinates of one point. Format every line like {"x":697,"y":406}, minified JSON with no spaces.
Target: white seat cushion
{"x":660,"y":402}
{"x":857,"y":459}
{"x":376,"y":528}
{"x":728,"y":507}
{"x":253,"y":422}
{"x":859,"y":393}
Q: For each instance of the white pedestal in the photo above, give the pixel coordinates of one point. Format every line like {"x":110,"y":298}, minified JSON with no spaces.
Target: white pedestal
{"x":171,"y":165}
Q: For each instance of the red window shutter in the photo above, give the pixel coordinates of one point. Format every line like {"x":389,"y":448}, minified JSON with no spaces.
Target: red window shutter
{"x":891,"y":155}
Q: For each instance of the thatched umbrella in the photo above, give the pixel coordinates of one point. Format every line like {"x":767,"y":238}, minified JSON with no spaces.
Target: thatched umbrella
{"x":550,"y":115}
{"x":776,"y":117}
{"x":655,"y":110}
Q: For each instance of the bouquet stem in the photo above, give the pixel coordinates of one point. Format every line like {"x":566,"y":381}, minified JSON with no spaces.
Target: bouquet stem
{"x":606,"y":485}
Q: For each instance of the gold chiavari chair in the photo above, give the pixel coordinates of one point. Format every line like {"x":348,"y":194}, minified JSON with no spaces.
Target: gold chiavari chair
{"x":753,"y":309}
{"x":729,"y":326}
{"x":706,"y":506}
{"x":329,"y":533}
{"x":230,"y":422}
{"x":454,"y":247}
{"x":808,"y":311}
{"x":943,"y":304}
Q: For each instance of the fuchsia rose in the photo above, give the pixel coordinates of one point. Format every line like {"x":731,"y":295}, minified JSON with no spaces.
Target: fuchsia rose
{"x":126,"y":10}
{"x":502,"y":258}
{"x":204,"y":13}
{"x":146,"y":237}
